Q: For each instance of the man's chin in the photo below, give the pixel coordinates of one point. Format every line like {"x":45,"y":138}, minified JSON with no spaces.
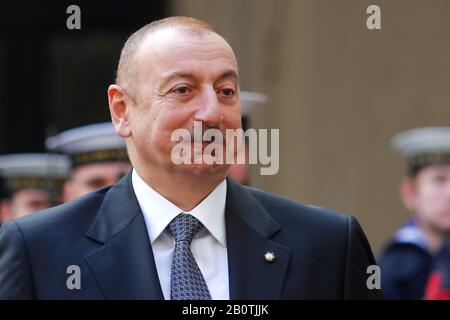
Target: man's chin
{"x":205,"y":169}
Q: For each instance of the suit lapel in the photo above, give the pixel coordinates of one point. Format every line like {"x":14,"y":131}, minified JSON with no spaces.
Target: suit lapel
{"x":249,"y":231}
{"x":124,"y":267}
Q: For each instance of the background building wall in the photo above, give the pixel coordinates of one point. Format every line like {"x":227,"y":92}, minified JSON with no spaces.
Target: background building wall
{"x":53,"y":78}
{"x":339,"y":92}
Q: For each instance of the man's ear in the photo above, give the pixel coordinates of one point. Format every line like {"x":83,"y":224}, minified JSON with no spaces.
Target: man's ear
{"x":68,"y":192}
{"x":408,"y":191}
{"x":5,"y":211}
{"x":118,"y":104}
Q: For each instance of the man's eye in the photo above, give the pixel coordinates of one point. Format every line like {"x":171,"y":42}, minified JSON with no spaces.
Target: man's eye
{"x":181,"y":90}
{"x":228,"y":92}
{"x":439,"y":179}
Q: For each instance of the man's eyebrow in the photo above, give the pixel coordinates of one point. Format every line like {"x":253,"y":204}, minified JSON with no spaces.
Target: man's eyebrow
{"x":178,"y":75}
{"x":229,"y":74}
{"x":191,"y":77}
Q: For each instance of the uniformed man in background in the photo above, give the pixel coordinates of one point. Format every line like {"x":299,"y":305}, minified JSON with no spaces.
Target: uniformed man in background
{"x":99,"y":157}
{"x":250,"y":103}
{"x":31,"y":182}
{"x":407,"y":259}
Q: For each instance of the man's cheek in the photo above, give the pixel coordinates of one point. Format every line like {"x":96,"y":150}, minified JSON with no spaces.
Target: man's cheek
{"x":232,"y":119}
{"x":160,"y":142}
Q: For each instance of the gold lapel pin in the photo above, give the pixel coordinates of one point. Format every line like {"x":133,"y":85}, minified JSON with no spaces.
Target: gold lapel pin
{"x":269,"y":257}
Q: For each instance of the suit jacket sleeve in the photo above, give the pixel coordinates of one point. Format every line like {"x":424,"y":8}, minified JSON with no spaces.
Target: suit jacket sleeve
{"x":358,"y":257}
{"x":15,"y":271}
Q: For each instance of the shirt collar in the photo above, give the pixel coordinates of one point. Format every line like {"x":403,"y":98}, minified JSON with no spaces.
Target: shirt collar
{"x":158,"y":211}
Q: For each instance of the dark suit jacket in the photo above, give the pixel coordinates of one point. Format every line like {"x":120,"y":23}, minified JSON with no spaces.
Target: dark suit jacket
{"x":319,"y":254}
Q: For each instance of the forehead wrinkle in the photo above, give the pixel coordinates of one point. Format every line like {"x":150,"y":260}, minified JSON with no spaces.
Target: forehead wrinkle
{"x":182,"y":57}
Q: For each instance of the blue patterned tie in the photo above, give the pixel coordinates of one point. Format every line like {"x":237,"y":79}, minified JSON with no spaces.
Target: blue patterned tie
{"x":186,"y":279}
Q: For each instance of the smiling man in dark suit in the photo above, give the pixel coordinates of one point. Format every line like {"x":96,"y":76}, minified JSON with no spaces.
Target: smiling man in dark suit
{"x":168,"y":231}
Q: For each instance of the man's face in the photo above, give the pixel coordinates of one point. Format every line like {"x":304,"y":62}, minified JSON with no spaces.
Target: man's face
{"x":27,"y":201}
{"x":181,"y":78}
{"x":431,"y":197}
{"x":89,"y":177}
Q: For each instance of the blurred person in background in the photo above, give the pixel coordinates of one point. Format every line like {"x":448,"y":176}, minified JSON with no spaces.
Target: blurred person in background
{"x":31,"y":182}
{"x":98,"y":156}
{"x":250,"y":102}
{"x":407,"y":259}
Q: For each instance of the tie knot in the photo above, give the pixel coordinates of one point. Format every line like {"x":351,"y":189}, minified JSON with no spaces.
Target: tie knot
{"x":184,"y":227}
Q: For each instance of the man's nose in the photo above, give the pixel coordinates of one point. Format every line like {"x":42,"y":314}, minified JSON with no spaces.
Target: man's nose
{"x":209,"y":111}
{"x":447,"y":190}
{"x":447,"y":187}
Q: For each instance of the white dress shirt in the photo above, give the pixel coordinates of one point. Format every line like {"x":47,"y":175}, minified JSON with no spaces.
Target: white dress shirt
{"x":208,"y":246}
